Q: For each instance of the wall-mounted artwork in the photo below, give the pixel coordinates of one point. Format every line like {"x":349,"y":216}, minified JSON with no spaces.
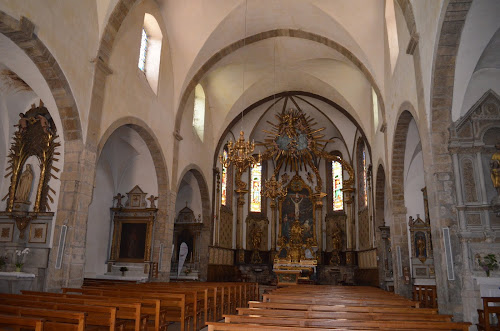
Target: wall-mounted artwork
{"x":38,"y":233}
{"x":6,"y":232}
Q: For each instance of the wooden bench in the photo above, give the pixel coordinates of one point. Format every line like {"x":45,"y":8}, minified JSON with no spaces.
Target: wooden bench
{"x":150,"y":307}
{"x":29,"y":323}
{"x":126,"y":311}
{"x":177,"y":308}
{"x":426,"y":295}
{"x":341,"y":308}
{"x":491,"y":305}
{"x":95,"y":315}
{"x":373,"y":316}
{"x":346,"y":323}
{"x":53,"y":319}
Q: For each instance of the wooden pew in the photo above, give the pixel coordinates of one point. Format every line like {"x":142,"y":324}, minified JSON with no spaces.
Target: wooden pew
{"x":96,"y":315}
{"x":29,"y":323}
{"x":345,"y":323}
{"x":126,"y":311}
{"x":341,"y":308}
{"x":338,"y":300}
{"x":484,"y":314}
{"x":220,"y":326}
{"x":149,"y":307}
{"x":374,"y":316}
{"x":177,"y":309}
{"x":56,"y":320}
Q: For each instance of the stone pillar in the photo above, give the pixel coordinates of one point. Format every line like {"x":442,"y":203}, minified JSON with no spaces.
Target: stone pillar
{"x":400,"y":252}
{"x":318,"y":201}
{"x":74,"y":199}
{"x":349,"y":229}
{"x":239,"y":225}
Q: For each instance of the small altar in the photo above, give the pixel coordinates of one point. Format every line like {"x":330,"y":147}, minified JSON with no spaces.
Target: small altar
{"x":15,"y":282}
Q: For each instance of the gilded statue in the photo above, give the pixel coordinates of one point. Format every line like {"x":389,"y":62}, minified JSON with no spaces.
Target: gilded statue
{"x":495,"y":169}
{"x":24,"y":188}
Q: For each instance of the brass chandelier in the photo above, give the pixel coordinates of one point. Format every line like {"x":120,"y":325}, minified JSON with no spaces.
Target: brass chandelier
{"x":240,"y":154}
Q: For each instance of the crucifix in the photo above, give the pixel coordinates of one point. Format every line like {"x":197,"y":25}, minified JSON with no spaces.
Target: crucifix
{"x":118,"y":199}
{"x":152,"y":199}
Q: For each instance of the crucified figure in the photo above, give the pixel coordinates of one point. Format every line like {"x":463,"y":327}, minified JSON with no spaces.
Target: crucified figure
{"x":297,"y":199}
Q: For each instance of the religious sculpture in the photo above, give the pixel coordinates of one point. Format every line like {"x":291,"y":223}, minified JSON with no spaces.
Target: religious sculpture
{"x":23,"y":123}
{"x":24,"y":188}
{"x":256,"y":234}
{"x":495,"y":169}
{"x":296,"y":201}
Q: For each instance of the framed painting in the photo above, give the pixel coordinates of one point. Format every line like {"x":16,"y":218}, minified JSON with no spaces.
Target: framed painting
{"x":38,"y":233}
{"x":6,"y":232}
{"x":132,"y":237}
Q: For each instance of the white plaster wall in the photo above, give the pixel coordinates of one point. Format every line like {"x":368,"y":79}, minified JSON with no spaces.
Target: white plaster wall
{"x":125,"y":161}
{"x":229,"y":23}
{"x":428,"y":21}
{"x":69,"y":29}
{"x":480,"y":82}
{"x":128,"y":93}
{"x":189,"y":192}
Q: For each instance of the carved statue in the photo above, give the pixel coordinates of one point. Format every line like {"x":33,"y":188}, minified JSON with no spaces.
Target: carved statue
{"x":23,"y":122}
{"x":296,"y":201}
{"x":24,"y":188}
{"x":420,"y":247}
{"x":495,"y":169}
{"x":44,"y":123}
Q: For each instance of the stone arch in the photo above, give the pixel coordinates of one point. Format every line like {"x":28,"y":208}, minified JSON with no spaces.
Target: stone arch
{"x":441,"y":193}
{"x":399,"y":235}
{"x":293,"y":33}
{"x":76,"y":187}
{"x":207,"y":229}
{"x":22,"y":34}
{"x":164,"y":220}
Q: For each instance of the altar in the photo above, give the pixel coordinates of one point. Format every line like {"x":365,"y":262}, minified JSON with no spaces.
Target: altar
{"x":296,"y":258}
{"x":15,"y":282}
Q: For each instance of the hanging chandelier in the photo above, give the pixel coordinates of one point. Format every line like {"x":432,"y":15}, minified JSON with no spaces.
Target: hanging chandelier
{"x":240,"y":154}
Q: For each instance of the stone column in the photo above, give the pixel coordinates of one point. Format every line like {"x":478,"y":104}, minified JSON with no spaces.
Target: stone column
{"x":318,"y":201}
{"x":239,"y":225}
{"x":349,"y":229}
{"x":458,"y":188}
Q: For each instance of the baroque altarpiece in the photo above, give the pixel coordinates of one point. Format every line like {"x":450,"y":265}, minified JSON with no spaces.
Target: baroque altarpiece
{"x":27,"y":219}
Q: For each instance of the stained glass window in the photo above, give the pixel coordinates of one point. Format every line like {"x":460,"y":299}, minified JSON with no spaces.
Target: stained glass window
{"x":224,"y":180}
{"x":144,"y":51}
{"x":365,"y":191}
{"x":338,"y":198}
{"x":255,"y":198}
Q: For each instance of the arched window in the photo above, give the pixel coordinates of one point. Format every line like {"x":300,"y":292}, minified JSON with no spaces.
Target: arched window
{"x":256,"y":187}
{"x":224,"y":180}
{"x":143,"y":51}
{"x":199,"y":111}
{"x":375,"y":109}
{"x":150,"y":51}
{"x":338,"y":197}
{"x":392,"y":32}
